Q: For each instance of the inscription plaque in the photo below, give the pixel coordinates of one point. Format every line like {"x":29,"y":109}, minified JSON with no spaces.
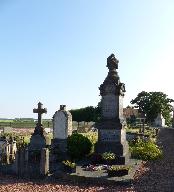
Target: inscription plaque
{"x":107,"y":135}
{"x":110,"y":135}
{"x":109,"y":106}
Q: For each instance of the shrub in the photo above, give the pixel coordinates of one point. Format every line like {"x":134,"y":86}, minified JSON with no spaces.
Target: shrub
{"x":118,"y":171}
{"x":92,"y":136}
{"x":78,"y":146}
{"x":108,"y":156}
{"x":69,"y":164}
{"x":117,"y":168}
{"x":145,"y":150}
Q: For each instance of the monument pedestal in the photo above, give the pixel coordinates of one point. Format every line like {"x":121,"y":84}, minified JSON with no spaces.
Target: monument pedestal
{"x":60,"y":144}
{"x":121,"y":150}
{"x":113,"y":140}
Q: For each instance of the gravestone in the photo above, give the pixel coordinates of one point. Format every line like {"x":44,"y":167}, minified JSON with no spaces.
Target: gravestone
{"x":38,"y":139}
{"x":111,"y":131}
{"x":62,"y":128}
{"x":159,"y":121}
{"x":36,"y":154}
{"x":173,"y":118}
{"x":4,"y":151}
{"x":8,"y":149}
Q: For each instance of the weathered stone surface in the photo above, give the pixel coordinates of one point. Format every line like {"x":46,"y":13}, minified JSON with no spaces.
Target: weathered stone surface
{"x":44,"y":162}
{"x":37,"y":142}
{"x":111,"y":132}
{"x":112,"y":135}
{"x":62,"y":123}
{"x":62,"y":128}
{"x":109,"y":106}
{"x":38,"y":139}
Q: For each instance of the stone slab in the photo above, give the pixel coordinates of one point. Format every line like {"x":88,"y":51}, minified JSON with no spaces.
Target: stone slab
{"x":62,"y":124}
{"x":98,"y":177}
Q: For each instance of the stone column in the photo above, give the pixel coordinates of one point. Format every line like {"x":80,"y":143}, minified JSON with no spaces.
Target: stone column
{"x":111,"y":131}
{"x":44,"y":162}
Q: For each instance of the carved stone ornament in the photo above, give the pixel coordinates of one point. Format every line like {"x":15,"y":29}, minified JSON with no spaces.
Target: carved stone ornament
{"x":112,"y":84}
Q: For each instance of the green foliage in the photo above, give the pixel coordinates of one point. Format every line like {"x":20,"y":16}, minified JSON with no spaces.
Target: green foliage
{"x":117,"y":168}
{"x":145,"y":150}
{"x":86,"y":114}
{"x":78,"y":146}
{"x":92,"y":136}
{"x":153,"y":103}
{"x":108,"y":156}
{"x":69,"y":164}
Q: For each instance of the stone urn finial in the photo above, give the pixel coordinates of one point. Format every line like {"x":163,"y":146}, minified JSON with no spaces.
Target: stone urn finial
{"x":112,"y":62}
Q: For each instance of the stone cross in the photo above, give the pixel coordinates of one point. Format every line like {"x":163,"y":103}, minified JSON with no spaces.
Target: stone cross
{"x":40,"y":111}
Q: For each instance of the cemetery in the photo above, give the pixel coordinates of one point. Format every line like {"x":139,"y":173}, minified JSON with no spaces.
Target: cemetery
{"x":110,"y":153}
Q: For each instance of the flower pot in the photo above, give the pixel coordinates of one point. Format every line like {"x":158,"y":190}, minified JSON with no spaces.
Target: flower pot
{"x":117,"y":173}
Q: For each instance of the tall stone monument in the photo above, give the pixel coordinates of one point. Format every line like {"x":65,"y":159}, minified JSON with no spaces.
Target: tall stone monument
{"x":111,"y":132}
{"x":38,"y":139}
{"x":62,"y":128}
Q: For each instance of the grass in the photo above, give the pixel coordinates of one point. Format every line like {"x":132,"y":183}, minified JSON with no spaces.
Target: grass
{"x":6,"y":121}
{"x":149,"y":131}
{"x":92,"y":136}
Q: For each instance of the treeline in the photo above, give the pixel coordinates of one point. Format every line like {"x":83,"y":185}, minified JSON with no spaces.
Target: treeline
{"x":86,"y":114}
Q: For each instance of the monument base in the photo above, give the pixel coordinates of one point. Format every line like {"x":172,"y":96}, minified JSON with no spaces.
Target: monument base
{"x":113,"y":140}
{"x":59,"y":146}
{"x":121,"y":150}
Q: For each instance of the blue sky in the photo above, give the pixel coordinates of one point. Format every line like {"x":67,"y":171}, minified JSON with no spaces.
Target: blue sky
{"x":55,"y":51}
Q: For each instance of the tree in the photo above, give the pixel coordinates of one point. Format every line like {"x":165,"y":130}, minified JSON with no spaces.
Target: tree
{"x":153,"y":103}
{"x":86,"y":114}
{"x":76,"y":115}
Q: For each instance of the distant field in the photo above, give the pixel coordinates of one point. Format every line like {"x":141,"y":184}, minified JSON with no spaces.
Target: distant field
{"x":22,"y":124}
{"x":32,"y":124}
{"x":6,"y":121}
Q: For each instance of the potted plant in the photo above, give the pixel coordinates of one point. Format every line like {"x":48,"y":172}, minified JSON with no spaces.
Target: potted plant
{"x":108,"y":157}
{"x":69,"y":166}
{"x":118,"y":171}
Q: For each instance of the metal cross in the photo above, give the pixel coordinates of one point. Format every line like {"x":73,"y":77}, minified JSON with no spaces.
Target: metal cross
{"x":40,"y":111}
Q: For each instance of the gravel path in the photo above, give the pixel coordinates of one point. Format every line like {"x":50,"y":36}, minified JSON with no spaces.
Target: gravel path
{"x":159,"y":175}
{"x":152,"y":176}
